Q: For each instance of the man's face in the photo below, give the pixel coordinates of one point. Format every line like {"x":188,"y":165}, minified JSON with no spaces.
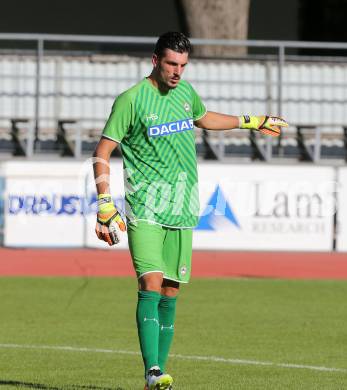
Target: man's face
{"x":169,"y":67}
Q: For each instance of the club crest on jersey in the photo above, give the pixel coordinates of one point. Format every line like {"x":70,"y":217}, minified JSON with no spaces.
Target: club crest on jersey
{"x":186,"y":106}
{"x":170,"y":128}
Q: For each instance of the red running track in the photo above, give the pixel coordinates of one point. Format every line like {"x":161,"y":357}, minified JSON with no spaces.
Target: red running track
{"x":97,"y":262}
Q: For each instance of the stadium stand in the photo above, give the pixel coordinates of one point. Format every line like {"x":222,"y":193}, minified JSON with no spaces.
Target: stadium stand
{"x":76,"y":94}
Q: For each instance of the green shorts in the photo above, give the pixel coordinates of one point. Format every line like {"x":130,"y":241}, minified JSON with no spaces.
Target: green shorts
{"x":156,"y":248}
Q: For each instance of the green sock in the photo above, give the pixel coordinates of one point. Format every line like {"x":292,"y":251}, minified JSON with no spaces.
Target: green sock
{"x":148,"y":326}
{"x":167,"y":312}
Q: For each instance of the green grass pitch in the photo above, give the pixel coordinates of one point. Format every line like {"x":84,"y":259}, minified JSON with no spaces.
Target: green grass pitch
{"x":262,"y":323}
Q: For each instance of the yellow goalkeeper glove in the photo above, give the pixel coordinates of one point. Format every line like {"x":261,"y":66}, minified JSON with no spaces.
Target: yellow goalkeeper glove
{"x":269,"y":125}
{"x":108,"y":221}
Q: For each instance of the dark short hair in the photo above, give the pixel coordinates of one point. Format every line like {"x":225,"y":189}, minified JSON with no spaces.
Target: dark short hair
{"x":173,"y":40}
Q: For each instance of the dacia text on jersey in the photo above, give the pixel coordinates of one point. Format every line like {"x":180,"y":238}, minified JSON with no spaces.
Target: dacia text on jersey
{"x":171,"y":128}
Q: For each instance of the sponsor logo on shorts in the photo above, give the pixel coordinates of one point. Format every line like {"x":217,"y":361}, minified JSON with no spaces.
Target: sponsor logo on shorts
{"x":170,"y":128}
{"x":183,"y":270}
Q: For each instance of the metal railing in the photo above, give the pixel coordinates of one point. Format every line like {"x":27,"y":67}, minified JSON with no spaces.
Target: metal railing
{"x":280,"y":47}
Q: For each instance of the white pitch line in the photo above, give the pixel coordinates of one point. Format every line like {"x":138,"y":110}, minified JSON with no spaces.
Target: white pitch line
{"x":175,"y":356}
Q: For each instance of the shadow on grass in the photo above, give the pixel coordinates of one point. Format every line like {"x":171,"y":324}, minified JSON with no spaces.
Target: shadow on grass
{"x":42,"y":386}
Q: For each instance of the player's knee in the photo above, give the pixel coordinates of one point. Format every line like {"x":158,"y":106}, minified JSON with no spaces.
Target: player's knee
{"x":170,"y":288}
{"x":169,"y":291}
{"x":151,"y":282}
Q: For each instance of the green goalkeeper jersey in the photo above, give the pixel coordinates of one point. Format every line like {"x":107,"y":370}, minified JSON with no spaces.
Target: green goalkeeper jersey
{"x":155,"y":131}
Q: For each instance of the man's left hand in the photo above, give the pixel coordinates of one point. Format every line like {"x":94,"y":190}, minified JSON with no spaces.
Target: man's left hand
{"x":268,"y":125}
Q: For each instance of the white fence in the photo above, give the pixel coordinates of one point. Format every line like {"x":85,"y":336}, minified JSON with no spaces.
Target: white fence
{"x":46,"y":88}
{"x":84,"y":88}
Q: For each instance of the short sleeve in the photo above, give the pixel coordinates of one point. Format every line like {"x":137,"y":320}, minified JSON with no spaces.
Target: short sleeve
{"x":199,"y":109}
{"x":120,"y":119}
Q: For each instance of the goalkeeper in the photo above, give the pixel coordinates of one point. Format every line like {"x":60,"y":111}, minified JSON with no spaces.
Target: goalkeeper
{"x":153,"y":123}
